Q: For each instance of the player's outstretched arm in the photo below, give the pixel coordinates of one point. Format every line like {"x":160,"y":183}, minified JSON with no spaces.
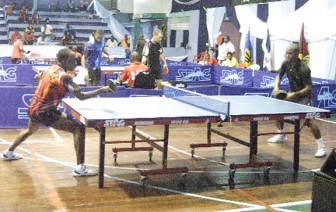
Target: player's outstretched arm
{"x":89,"y":94}
{"x":76,"y":90}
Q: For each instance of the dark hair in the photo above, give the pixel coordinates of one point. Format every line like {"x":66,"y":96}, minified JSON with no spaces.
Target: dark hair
{"x":63,"y":54}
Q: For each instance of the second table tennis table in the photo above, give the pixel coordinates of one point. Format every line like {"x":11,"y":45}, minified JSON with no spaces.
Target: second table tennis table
{"x":178,"y":106}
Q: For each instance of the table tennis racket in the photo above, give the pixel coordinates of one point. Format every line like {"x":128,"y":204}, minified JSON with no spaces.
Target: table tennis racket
{"x":281,"y":94}
{"x":112,"y":85}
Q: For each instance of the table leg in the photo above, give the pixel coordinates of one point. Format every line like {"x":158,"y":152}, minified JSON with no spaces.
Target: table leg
{"x":101,"y":157}
{"x":296,"y":145}
{"x":253,"y":138}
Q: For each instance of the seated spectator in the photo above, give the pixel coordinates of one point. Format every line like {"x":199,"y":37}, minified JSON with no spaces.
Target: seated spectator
{"x":208,"y":60}
{"x":67,"y":39}
{"x":23,"y":15}
{"x":93,"y":15}
{"x":131,"y":71}
{"x":230,"y":61}
{"x":36,"y":18}
{"x":9,"y":9}
{"x":16,"y":35}
{"x":29,"y":36}
{"x":111,"y":42}
{"x":70,"y":29}
{"x":83,"y":5}
{"x":42,"y":40}
{"x":47,"y":30}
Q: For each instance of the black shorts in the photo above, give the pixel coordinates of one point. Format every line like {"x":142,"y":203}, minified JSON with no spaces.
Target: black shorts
{"x":16,"y":60}
{"x":156,"y":73}
{"x":47,"y":118}
{"x":94,"y":75}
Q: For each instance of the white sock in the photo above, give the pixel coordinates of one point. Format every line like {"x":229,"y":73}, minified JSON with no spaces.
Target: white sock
{"x":281,"y":131}
{"x":320,"y":143}
{"x":79,"y":167}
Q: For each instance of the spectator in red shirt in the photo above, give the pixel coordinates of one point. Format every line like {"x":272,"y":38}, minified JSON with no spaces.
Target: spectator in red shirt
{"x":209,"y":60}
{"x":131,"y":71}
{"x":16,"y":34}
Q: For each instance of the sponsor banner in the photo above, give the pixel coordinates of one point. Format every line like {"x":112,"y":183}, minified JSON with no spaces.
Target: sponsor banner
{"x":324,"y":96}
{"x":5,"y":60}
{"x":196,"y":74}
{"x":232,"y":90}
{"x":232,"y":76}
{"x":16,"y":74}
{"x":265,"y":79}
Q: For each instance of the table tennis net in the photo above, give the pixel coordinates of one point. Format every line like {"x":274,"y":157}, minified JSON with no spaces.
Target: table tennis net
{"x":209,"y":103}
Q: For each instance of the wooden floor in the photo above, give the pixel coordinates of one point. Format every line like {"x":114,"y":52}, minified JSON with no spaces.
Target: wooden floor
{"x":43,"y":180}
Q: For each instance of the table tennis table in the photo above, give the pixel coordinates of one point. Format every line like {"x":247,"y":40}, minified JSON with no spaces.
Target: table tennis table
{"x":178,"y":106}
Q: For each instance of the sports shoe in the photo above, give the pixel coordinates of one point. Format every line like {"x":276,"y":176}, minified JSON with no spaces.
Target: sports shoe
{"x":82,"y":171}
{"x":8,"y":156}
{"x":280,"y":138}
{"x":321,"y":152}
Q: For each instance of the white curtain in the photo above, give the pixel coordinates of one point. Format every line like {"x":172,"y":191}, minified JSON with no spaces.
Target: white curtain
{"x":248,"y":20}
{"x":152,"y":6}
{"x":117,"y":29}
{"x":285,"y":23}
{"x":214,"y":20}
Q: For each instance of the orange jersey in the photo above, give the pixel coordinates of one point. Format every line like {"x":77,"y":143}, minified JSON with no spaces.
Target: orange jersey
{"x":53,"y":86}
{"x":131,"y":71}
{"x":17,"y":52}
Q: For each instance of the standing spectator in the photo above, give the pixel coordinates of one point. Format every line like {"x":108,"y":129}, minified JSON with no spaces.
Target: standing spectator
{"x":126,"y":43}
{"x":299,"y":76}
{"x":224,"y":48}
{"x":54,"y":84}
{"x":67,"y":39}
{"x":17,"y":53}
{"x":15,"y":35}
{"x":152,"y":54}
{"x":92,"y":56}
{"x":140,"y":45}
{"x":230,"y":61}
{"x":29,"y":36}
{"x":36,"y":18}
{"x":111,"y":42}
{"x":131,"y":71}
